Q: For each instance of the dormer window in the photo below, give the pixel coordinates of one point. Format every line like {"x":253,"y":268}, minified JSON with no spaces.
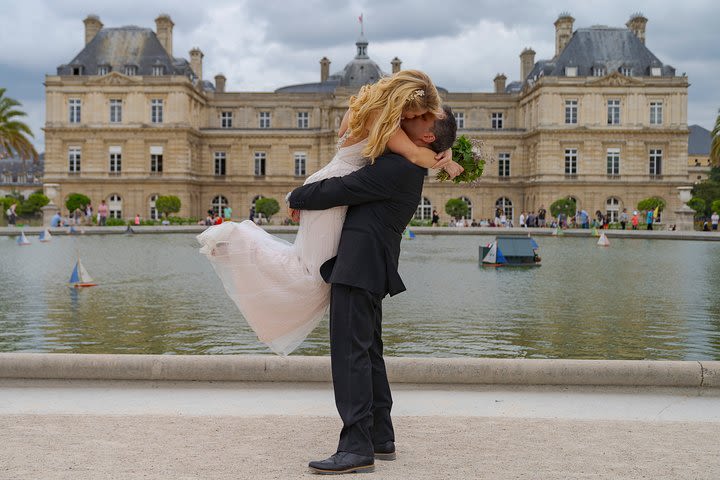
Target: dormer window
{"x":158,"y":70}
{"x":598,"y":71}
{"x":130,"y":70}
{"x":656,"y":71}
{"x":627,"y":71}
{"x":571,"y":71}
{"x":76,"y":70}
{"x":103,"y":70}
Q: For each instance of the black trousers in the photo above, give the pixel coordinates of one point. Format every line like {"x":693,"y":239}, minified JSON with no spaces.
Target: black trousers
{"x":362,"y":391}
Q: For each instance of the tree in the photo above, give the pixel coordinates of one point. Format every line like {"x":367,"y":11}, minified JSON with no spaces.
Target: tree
{"x":651,"y":204}
{"x":715,"y":206}
{"x":167,"y":204}
{"x":75,"y":201}
{"x":563,"y":205}
{"x":457,"y":208}
{"x":14,"y":134}
{"x":697,"y":204}
{"x":715,"y":145}
{"x":267,"y":206}
{"x":32,"y":205}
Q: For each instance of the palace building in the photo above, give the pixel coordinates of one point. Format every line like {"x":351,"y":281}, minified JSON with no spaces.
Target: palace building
{"x":603,"y":120}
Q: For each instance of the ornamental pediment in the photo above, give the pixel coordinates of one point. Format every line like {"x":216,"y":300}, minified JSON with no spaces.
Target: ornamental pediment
{"x":616,"y":79}
{"x":114,"y":78}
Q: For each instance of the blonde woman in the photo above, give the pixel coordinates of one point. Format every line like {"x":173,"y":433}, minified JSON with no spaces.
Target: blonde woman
{"x":277,"y":285}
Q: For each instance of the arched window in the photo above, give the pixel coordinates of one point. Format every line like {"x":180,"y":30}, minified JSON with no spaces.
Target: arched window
{"x":424,"y":210}
{"x":218,"y":204}
{"x":612,"y":209}
{"x":154,"y":214}
{"x":115,"y":206}
{"x":470,"y":207}
{"x":505,"y":206}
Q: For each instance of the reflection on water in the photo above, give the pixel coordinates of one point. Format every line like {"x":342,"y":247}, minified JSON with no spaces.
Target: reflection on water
{"x":654,"y":299}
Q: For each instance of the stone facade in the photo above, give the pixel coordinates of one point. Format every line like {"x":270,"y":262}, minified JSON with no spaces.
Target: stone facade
{"x":549,"y":133}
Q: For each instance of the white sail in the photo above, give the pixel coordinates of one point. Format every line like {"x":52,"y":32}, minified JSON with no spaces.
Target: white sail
{"x":84,"y":275}
{"x":603,"y":240}
{"x":492,"y":254}
{"x":45,"y":236}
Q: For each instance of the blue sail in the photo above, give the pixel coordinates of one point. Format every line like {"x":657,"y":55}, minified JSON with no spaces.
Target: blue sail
{"x":500,"y":258}
{"x":533,"y":243}
{"x":75,"y":277}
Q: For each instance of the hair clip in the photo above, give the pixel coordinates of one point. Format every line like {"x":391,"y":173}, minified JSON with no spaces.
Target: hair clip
{"x":415,"y":94}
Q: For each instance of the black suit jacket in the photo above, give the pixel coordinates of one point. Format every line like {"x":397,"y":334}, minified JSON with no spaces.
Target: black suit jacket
{"x":383,"y":197}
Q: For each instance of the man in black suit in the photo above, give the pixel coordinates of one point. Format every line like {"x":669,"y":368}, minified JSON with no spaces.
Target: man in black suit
{"x":383,"y":197}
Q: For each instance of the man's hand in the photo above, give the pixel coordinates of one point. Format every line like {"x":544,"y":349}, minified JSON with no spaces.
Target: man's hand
{"x":453,"y":169}
{"x":294,"y":215}
{"x":443,"y":159}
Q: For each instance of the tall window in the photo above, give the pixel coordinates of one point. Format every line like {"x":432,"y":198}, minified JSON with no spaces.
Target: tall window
{"x":156,"y":110}
{"x":424,"y":210}
{"x":656,"y":161}
{"x":571,"y":161}
{"x":220,"y":163}
{"x":226,"y":119}
{"x":115,"y":110}
{"x":130,"y":70}
{"x":504,"y":165}
{"x":612,"y":209}
{"x":613,"y":161}
{"x":158,"y":70}
{"x":260,"y":158}
{"x":115,"y":206}
{"x":218,"y":204}
{"x":598,"y":71}
{"x":469,"y":205}
{"x":264,"y":119}
{"x":303,"y":119}
{"x":571,"y":112}
{"x":613,"y":112}
{"x":156,"y":159}
{"x":300,"y":163}
{"x":154,"y":213}
{"x":115,"y":160}
{"x":496,"y":120}
{"x":460,"y":119}
{"x":505,"y":206}
{"x":656,"y":113}
{"x":627,"y":71}
{"x":74,"y":154}
{"x":103,"y":70}
{"x":74,"y":108}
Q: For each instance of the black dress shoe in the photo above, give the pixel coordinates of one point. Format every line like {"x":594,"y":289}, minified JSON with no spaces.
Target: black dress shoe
{"x":343,"y":462}
{"x":385,"y":451}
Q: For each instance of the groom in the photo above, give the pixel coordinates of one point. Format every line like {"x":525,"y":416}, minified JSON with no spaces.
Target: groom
{"x":383,"y":198}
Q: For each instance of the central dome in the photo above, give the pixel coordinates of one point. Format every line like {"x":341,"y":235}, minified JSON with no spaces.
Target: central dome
{"x":361,"y":70}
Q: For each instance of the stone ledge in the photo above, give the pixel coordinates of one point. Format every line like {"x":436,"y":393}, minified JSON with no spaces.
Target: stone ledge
{"x":267,"y":368}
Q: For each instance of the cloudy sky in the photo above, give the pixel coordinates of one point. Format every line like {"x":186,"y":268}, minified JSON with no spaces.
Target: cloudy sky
{"x":261,"y":45}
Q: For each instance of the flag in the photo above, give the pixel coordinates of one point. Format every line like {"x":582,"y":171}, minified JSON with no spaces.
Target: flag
{"x":656,"y":212}
{"x":360,"y":18}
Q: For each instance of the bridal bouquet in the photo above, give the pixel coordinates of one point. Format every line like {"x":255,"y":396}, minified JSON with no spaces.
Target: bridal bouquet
{"x":471,"y":154}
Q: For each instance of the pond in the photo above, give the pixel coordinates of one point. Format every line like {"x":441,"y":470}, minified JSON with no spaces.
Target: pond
{"x":637,"y":299}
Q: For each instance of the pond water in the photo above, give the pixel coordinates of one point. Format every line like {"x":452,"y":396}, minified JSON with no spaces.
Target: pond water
{"x":637,"y":299}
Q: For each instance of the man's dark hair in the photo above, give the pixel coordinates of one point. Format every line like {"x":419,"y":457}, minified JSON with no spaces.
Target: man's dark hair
{"x":445,"y":131}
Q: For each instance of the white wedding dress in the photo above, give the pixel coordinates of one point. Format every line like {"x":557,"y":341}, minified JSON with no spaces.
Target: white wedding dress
{"x":276,"y":284}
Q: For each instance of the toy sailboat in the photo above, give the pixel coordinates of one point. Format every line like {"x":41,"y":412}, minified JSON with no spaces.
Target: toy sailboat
{"x":22,"y":239}
{"x":408,"y":233}
{"x":603,"y":241}
{"x":45,"y":236}
{"x":594,"y":232}
{"x":80,"y":277}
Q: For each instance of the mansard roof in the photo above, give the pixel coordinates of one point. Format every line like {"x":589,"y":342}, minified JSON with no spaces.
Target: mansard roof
{"x":699,"y":140}
{"x":126,"y":46}
{"x":600,"y":47}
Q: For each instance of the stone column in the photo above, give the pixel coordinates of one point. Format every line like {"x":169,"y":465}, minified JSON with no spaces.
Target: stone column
{"x":684,"y":216}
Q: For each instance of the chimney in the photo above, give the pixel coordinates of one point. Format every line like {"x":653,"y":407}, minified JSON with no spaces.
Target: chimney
{"x":396,"y":64}
{"x":563,"y":31}
{"x":324,"y":69}
{"x":527,"y":61}
{"x":636,"y":24}
{"x":164,"y":31}
{"x":220,"y":83}
{"x":196,"y":57}
{"x":92,"y":27}
{"x":500,"y":83}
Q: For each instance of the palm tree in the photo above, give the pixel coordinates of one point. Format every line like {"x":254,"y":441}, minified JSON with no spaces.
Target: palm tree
{"x":14,"y":133}
{"x":715,"y":148}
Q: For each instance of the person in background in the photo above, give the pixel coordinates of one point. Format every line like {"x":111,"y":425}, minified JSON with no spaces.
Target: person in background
{"x":227,"y":213}
{"x":137,"y":219}
{"x":649,"y":219}
{"x":623,"y":218}
{"x":541,"y":216}
{"x":435,"y":219}
{"x":210,"y":219}
{"x":714,"y":219}
{"x":635,"y":220}
{"x":522,"y":219}
{"x":12,"y":216}
{"x":56,"y":219}
{"x":102,"y":213}
{"x":252,"y":214}
{"x":88,"y":213}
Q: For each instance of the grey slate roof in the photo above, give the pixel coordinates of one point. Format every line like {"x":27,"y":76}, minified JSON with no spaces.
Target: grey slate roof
{"x":120,"y":47}
{"x":15,"y":166}
{"x":699,"y":140}
{"x":599,"y":46}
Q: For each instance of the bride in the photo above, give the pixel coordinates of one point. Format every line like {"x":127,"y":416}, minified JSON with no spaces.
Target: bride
{"x":276,"y":284}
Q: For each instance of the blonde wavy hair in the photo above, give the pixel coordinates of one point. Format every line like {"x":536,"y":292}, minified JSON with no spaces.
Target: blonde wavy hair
{"x":386,"y":101}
